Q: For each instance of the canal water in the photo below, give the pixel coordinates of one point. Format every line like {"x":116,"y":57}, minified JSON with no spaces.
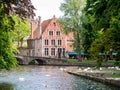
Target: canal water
{"x":46,"y":78}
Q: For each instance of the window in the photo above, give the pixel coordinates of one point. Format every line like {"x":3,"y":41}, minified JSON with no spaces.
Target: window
{"x":53,"y":51}
{"x":46,"y":51}
{"x":50,"y":33}
{"x":59,"y":50}
{"x":59,"y":42}
{"x":46,"y":42}
{"x":58,"y":33}
{"x":52,"y":42}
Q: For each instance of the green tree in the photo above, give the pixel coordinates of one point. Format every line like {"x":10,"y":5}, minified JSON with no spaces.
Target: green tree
{"x":87,"y":33}
{"x":106,"y":14}
{"x":22,"y":30}
{"x":71,"y":20}
{"x":22,"y":8}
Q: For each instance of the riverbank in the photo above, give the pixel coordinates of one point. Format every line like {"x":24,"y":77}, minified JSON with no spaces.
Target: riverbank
{"x":98,"y":75}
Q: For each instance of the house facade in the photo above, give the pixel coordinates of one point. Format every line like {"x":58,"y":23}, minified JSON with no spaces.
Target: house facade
{"x":48,"y":40}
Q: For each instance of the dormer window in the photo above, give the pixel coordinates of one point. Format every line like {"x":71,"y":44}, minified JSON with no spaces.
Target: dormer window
{"x":51,"y":33}
{"x":58,"y":33}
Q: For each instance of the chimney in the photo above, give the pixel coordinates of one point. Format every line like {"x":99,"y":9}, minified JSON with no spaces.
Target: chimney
{"x":31,"y":27}
{"x":39,"y":27}
{"x":54,"y":17}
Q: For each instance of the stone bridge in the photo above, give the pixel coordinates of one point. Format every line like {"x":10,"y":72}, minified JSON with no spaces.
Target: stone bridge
{"x":25,"y":60}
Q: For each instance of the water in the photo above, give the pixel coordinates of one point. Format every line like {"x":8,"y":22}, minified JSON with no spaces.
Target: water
{"x":46,"y":78}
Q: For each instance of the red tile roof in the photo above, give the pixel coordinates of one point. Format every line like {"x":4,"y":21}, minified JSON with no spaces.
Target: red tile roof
{"x":43,"y":27}
{"x":45,"y":24}
{"x":35,"y":34}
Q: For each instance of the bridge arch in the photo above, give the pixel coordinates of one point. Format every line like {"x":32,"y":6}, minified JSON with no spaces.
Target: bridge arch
{"x":37,"y":61}
{"x":19,"y":60}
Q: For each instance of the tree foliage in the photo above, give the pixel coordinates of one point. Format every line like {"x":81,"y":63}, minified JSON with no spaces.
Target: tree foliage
{"x":96,"y":28}
{"x":21,"y":8}
{"x":87,"y":33}
{"x":22,"y":30}
{"x":106,"y":14}
{"x":103,"y":11}
{"x":77,"y":21}
{"x":71,"y":20}
{"x":6,"y":50}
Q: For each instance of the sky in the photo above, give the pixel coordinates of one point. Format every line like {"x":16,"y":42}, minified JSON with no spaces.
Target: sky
{"x":47,"y":8}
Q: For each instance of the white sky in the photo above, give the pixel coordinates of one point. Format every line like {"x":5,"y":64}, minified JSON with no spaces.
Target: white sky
{"x":47,"y":8}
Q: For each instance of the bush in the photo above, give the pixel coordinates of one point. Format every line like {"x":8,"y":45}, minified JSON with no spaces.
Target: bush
{"x":117,"y":63}
{"x":99,"y":62}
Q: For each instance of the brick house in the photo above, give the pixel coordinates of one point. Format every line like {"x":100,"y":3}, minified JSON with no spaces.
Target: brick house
{"x":48,"y":40}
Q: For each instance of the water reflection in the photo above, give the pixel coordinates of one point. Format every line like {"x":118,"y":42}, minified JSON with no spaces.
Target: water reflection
{"x":48,"y":78}
{"x":6,"y":86}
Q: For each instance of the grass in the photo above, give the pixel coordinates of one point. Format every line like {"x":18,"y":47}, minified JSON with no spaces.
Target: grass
{"x":113,"y":75}
{"x":88,"y":61}
{"x":72,"y":60}
{"x":106,"y":72}
{"x":111,"y":62}
{"x":76,"y":61}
